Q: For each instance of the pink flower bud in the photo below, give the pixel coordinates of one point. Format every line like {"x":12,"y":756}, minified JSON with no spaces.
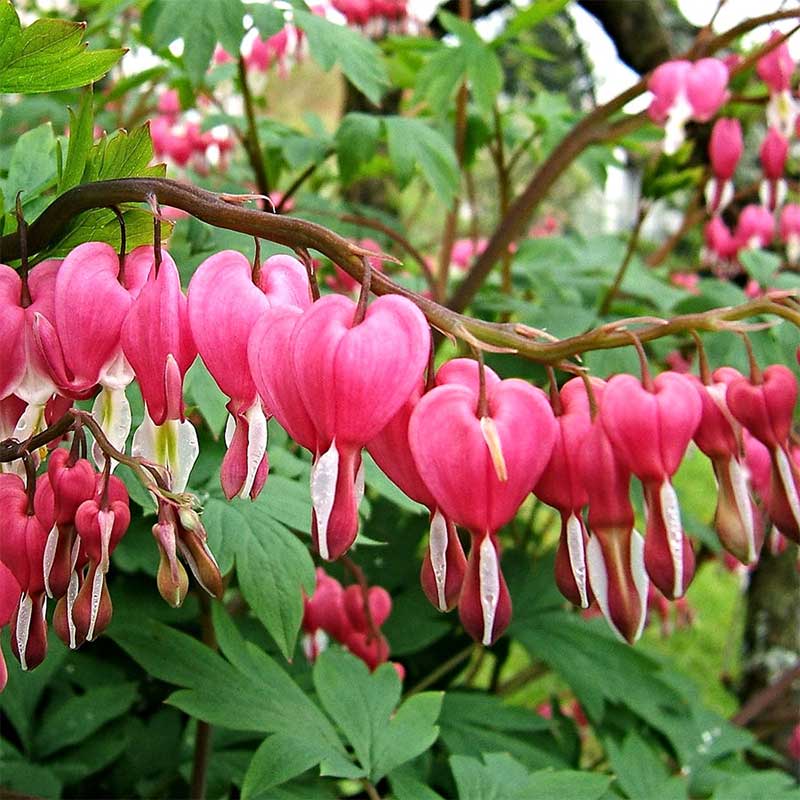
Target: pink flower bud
{"x":790,"y":231}
{"x":773,"y":153}
{"x":755,"y":228}
{"x":725,"y":147}
{"x":777,"y":66}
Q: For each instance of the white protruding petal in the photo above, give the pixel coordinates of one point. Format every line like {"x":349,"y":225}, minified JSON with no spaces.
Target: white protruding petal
{"x":314,"y":644}
{"x":674,"y":129}
{"x":49,"y":557}
{"x":24,"y":627}
{"x":489,"y":582}
{"x":359,"y":486}
{"x":787,"y":480}
{"x":29,"y":424}
{"x":437,"y":549}
{"x":741,"y":495}
{"x":72,"y":594}
{"x":256,"y":444}
{"x":174,"y":445}
{"x":186,"y":555}
{"x":577,"y":557}
{"x":105,"y":520}
{"x":117,"y":374}
{"x":671,"y":517}
{"x":640,"y":578}
{"x":598,"y":578}
{"x":492,"y":439}
{"x":97,"y":596}
{"x":113,"y":413}
{"x":324,"y":475}
{"x":230,"y":428}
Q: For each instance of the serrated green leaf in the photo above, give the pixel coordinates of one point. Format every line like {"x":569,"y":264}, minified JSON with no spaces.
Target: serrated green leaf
{"x":356,"y":143}
{"x":81,"y":715}
{"x":123,"y":154}
{"x":48,"y":55}
{"x":201,"y":24}
{"x":363,"y":706}
{"x":359,"y":58}
{"x":760,"y":265}
{"x":414,"y":144}
{"x":273,"y":567}
{"x":32,"y":167}
{"x":267,"y":19}
{"x":81,"y":127}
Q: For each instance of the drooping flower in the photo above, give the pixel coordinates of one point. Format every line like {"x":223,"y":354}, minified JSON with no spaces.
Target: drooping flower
{"x":774,"y":151}
{"x":725,"y":148}
{"x":650,"y":429}
{"x":775,"y":69}
{"x":479,"y":464}
{"x":226,"y":298}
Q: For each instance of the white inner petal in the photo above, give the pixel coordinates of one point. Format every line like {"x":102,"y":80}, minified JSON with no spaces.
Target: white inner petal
{"x":577,"y":557}
{"x":741,"y":494}
{"x":787,"y":479}
{"x":49,"y":557}
{"x":437,"y":549}
{"x":113,"y":413}
{"x":324,"y":474}
{"x":489,"y":581}
{"x":598,"y":578}
{"x":671,"y":517}
{"x":256,"y":444}
{"x":72,"y":594}
{"x":640,"y":579}
{"x":97,"y":596}
{"x":24,"y":627}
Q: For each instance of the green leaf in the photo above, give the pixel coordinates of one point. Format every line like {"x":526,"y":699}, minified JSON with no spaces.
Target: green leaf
{"x":474,"y":723}
{"x":280,"y":758}
{"x":202,"y":391}
{"x":48,"y":55}
{"x":273,"y":567}
{"x":356,"y":143}
{"x":412,"y":144}
{"x":406,"y":785}
{"x":376,"y":480}
{"x":363,"y":706}
{"x":201,"y":24}
{"x":359,"y":58}
{"x":123,"y":154}
{"x":81,"y":715}
{"x":529,"y":17}
{"x":32,"y":167}
{"x":81,"y":127}
{"x":500,"y":777}
{"x":267,"y":19}
{"x":639,"y":770}
{"x":760,"y":265}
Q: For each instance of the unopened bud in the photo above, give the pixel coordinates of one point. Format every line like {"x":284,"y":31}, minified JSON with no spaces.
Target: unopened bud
{"x":201,"y":561}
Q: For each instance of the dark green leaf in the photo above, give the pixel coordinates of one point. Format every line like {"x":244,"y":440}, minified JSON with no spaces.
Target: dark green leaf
{"x":356,"y":143}
{"x":79,"y":717}
{"x":363,"y":706}
{"x":267,"y":19}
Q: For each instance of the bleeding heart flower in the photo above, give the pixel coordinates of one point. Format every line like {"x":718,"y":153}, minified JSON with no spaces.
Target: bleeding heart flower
{"x":719,"y":436}
{"x":615,"y":552}
{"x":561,"y":486}
{"x":650,"y":431}
{"x":480,"y":468}
{"x":444,"y":564}
{"x":725,"y":148}
{"x":226,"y":298}
{"x":353,"y":377}
{"x":766,"y":411}
{"x":774,"y":152}
{"x":776,"y":69}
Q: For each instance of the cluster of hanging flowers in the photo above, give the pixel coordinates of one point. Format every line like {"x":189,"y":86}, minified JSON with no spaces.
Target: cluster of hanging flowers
{"x":343,"y":375}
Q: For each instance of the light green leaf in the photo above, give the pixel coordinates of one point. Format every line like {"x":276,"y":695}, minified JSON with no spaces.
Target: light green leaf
{"x":32,"y":167}
{"x":529,"y":17}
{"x":267,"y":19}
{"x":412,"y":144}
{"x":202,"y":391}
{"x":48,"y":55}
{"x":760,"y":265}
{"x":359,"y":58}
{"x":280,"y":758}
